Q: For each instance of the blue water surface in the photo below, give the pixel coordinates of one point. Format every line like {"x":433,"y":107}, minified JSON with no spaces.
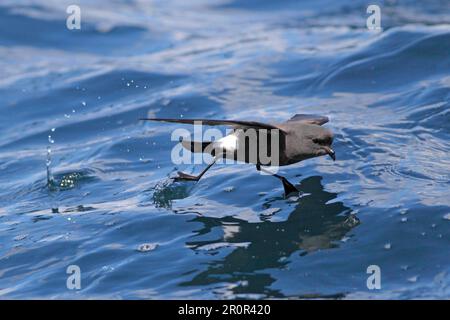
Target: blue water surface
{"x":71,"y":99}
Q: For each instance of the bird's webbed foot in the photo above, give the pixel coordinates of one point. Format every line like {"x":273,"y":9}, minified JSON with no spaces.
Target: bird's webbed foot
{"x":186,"y":177}
{"x":288,"y":187}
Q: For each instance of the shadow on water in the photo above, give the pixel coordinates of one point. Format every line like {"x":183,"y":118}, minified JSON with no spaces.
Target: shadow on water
{"x":315,"y":223}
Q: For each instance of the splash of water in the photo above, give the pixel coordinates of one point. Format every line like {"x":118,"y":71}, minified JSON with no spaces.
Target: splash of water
{"x":50,"y":180}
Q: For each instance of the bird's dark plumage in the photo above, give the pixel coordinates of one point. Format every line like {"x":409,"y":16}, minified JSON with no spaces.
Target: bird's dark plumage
{"x":209,"y":122}
{"x":300,"y":138}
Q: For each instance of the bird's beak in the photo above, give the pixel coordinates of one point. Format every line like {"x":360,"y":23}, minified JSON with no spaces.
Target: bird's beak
{"x":331,"y":153}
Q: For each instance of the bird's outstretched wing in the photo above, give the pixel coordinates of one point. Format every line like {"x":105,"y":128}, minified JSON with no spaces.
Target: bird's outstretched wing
{"x":309,"y":118}
{"x":237,"y":124}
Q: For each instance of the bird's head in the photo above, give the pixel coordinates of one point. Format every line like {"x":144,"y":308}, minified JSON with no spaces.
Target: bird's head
{"x":319,"y":141}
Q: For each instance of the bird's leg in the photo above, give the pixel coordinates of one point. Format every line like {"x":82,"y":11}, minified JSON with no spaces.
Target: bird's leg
{"x":187,"y":177}
{"x":288,"y":187}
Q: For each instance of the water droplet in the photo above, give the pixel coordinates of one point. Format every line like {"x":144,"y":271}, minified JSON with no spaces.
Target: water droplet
{"x":68,"y":181}
{"x":447,"y":216}
{"x":67,"y":115}
{"x":413,"y":279}
{"x":53,"y":129}
{"x":50,"y":139}
{"x":228,"y":189}
{"x":48,"y":163}
{"x":83,"y":103}
{"x":20,"y":237}
{"x":404,"y":219}
{"x":107,"y":268}
{"x":128,"y":84}
{"x":145,"y":247}
{"x":387,"y":246}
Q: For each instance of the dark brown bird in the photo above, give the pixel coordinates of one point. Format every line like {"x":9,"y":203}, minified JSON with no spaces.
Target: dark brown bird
{"x":301,"y":137}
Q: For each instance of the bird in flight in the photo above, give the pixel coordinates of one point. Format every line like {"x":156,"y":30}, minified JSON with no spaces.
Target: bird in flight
{"x":299,"y":138}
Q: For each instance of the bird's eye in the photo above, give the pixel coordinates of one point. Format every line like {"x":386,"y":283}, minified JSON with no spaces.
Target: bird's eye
{"x":324,"y":141}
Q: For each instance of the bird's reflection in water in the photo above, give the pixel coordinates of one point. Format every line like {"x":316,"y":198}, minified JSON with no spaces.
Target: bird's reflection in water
{"x":316,"y":223}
